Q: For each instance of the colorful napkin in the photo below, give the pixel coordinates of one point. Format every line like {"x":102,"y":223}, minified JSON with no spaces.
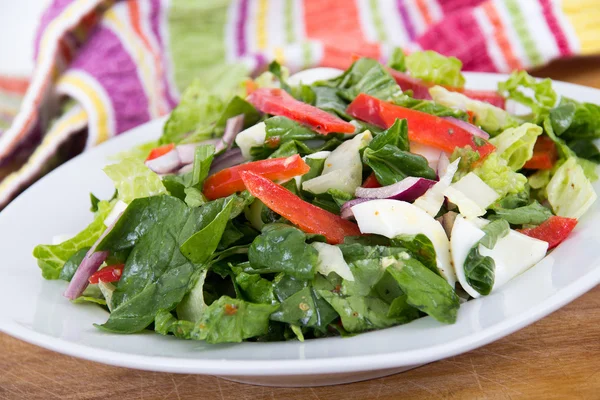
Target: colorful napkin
{"x":104,"y":67}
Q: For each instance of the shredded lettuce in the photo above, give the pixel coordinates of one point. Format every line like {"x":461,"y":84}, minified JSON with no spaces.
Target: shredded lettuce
{"x":433,"y":67}
{"x":496,"y":173}
{"x":515,"y":145}
{"x":536,"y":94}
{"x":569,"y":192}
{"x":133,"y":179}
{"x":490,"y":118}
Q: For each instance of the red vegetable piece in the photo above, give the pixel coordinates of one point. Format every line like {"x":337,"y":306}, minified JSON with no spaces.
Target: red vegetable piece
{"x":229,"y":180}
{"x":107,"y":274}
{"x":308,"y":217}
{"x":422,"y":127}
{"x":545,"y":154}
{"x":279,"y":102}
{"x":420,"y":89}
{"x":160,"y":151}
{"x":371,"y":182}
{"x":554,"y":230}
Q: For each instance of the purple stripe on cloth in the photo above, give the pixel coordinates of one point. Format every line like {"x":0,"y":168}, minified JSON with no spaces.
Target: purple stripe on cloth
{"x":53,"y":10}
{"x":406,"y":21}
{"x":241,"y":28}
{"x":105,"y":59}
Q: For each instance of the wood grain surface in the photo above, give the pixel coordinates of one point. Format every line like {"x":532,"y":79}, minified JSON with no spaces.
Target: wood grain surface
{"x":555,"y":358}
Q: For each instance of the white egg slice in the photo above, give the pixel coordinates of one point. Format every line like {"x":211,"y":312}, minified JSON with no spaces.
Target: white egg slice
{"x":391,"y":218}
{"x":513,"y":254}
{"x":251,"y":137}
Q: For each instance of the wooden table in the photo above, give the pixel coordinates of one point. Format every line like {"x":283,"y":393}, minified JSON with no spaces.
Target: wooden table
{"x":556,"y":358}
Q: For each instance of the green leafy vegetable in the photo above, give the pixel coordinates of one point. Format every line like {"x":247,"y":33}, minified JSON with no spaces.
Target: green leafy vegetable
{"x":305,"y":308}
{"x":133,"y":179}
{"x":391,"y":165}
{"x":396,"y":135}
{"x":515,"y":145}
{"x":397,"y":60}
{"x":282,"y":248}
{"x":496,"y":173}
{"x":532,"y":214}
{"x":543,"y":97}
{"x":367,"y":76}
{"x":433,"y":67}
{"x":480,"y":271}
{"x":570,"y":193}
{"x":424,"y":289}
{"x":420,"y":247}
{"x":494,"y":231}
{"x":67,"y":272}
{"x":52,"y":258}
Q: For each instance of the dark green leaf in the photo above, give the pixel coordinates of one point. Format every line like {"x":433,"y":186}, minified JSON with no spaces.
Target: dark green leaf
{"x":480,"y":271}
{"x":327,"y":99}
{"x":94,"y":202}
{"x":396,"y":135}
{"x":306,"y":309}
{"x":282,"y":248}
{"x":391,"y":165}
{"x":254,"y":288}
{"x":420,"y":247}
{"x":237,"y":106}
{"x":397,"y":60}
{"x":284,"y":130}
{"x":561,"y":117}
{"x":275,"y":69}
{"x":585,"y":148}
{"x":425,"y":290}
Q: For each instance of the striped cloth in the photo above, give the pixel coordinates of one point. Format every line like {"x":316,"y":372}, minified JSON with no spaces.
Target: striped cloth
{"x":104,"y":67}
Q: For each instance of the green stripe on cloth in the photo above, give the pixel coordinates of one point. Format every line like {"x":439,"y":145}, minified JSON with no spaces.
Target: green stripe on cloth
{"x":196,"y":38}
{"x":377,"y":21}
{"x":288,"y":22}
{"x":519,"y":23}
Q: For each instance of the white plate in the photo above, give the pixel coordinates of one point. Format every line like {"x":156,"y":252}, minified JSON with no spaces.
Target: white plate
{"x":34,"y":310}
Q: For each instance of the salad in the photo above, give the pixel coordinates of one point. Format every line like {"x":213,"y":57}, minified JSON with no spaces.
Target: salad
{"x":331,"y":202}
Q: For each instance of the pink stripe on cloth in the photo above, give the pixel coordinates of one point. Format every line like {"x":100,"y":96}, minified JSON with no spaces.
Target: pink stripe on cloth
{"x":559,"y":35}
{"x":406,"y":20}
{"x":451,"y":6}
{"x":459,"y":35}
{"x":105,"y":58}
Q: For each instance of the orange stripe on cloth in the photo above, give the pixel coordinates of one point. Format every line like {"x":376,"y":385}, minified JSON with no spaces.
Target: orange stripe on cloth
{"x":336,"y":24}
{"x":424,"y":10}
{"x":134,"y":12}
{"x":13,"y":84}
{"x":500,"y":34}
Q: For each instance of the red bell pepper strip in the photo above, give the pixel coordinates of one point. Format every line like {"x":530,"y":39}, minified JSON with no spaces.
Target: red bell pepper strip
{"x":544,"y":156}
{"x":160,"y":151}
{"x":279,"y":102}
{"x":371,"y":181}
{"x":229,"y":180}
{"x":422,"y":127}
{"x":308,"y":217}
{"x":420,"y":89}
{"x":554,"y":230}
{"x":111,"y":273}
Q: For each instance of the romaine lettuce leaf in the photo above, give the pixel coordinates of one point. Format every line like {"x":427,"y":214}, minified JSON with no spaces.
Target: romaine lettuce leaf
{"x":538,"y":95}
{"x":391,"y":165}
{"x":52,"y":258}
{"x":433,"y":67}
{"x":133,"y":180}
{"x":397,"y":60}
{"x":366,"y":75}
{"x":569,"y":191}
{"x":496,"y":173}
{"x":515,"y":145}
{"x":490,"y":118}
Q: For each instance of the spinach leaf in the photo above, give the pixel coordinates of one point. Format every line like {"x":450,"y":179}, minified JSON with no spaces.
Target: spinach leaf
{"x":391,"y":165}
{"x":192,"y":305}
{"x":532,"y":214}
{"x":254,"y":288}
{"x":276,"y":69}
{"x":282,"y":129}
{"x":561,"y":117}
{"x":425,"y":290}
{"x":156,"y":275}
{"x":282,"y":248}
{"x":429,"y":107}
{"x":226,"y":320}
{"x":376,"y":82}
{"x":359,"y":251}
{"x":67,"y":272}
{"x":585,"y":148}
{"x":420,"y":247}
{"x":305,"y":308}
{"x":327,"y":99}
{"x":361,"y":313}
{"x":396,"y":135}
{"x":235,"y":107}
{"x":201,"y":245}
{"x":367,"y":273}
{"x":285,"y":285}
{"x":94,"y":202}
{"x":480,"y":271}
{"x":400,"y":309}
{"x":585,"y":123}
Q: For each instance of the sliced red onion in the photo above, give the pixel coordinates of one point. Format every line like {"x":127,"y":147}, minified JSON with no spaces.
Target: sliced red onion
{"x":187,"y":152}
{"x":228,"y":159}
{"x":346,"y":209}
{"x":89,"y":265}
{"x":233,"y":126}
{"x":442,"y":164}
{"x":166,"y":163}
{"x":408,"y":189}
{"x":185,"y":169}
{"x":472,"y":129}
